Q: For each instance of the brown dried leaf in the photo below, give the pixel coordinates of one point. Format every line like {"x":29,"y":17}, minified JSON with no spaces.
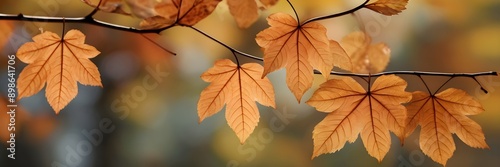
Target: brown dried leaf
{"x":365,"y":57}
{"x":184,"y":12}
{"x":387,"y":7}
{"x":238,"y":87}
{"x":138,"y":8}
{"x":440,"y":116}
{"x":110,"y":6}
{"x":60,"y":63}
{"x":353,"y":111}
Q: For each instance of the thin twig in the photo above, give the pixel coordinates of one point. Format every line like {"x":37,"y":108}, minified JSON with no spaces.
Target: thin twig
{"x":336,"y":14}
{"x":425,"y":83}
{"x":442,"y":85}
{"x":155,"y":43}
{"x":96,"y":9}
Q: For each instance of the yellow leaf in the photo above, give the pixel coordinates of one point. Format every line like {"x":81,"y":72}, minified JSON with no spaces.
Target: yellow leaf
{"x":353,"y":111}
{"x":58,"y":62}
{"x":298,"y":48}
{"x":365,"y":57}
{"x":387,"y":7}
{"x":237,"y":87}
{"x":184,"y":12}
{"x":440,"y":116}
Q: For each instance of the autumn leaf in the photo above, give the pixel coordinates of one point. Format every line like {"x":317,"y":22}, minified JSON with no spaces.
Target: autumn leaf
{"x":246,"y":12}
{"x":183,"y":12}
{"x":237,"y":87}
{"x":387,"y":7}
{"x":365,"y":57}
{"x":298,"y":48}
{"x":441,"y":115}
{"x":60,"y":63}
{"x":138,"y":8}
{"x":340,"y":57}
{"x":352,"y":111}
{"x":110,"y":6}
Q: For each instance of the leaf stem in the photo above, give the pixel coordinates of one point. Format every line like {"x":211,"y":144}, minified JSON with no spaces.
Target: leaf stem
{"x":236,"y":58}
{"x":437,"y":90}
{"x":480,"y":85}
{"x":336,"y":14}
{"x":155,"y":43}
{"x":63,"y":29}
{"x":91,"y":14}
{"x":294,"y":11}
{"x":425,"y":83}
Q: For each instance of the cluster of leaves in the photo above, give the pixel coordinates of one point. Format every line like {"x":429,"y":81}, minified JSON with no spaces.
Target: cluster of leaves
{"x":300,"y":48}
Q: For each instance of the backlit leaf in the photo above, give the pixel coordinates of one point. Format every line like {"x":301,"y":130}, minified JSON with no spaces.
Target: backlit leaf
{"x":298,"y":48}
{"x":59,"y":63}
{"x":440,"y":116}
{"x":387,"y":7}
{"x":237,"y":87}
{"x":352,"y":110}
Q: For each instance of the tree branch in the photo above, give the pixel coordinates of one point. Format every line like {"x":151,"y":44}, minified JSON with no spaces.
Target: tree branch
{"x":85,"y":20}
{"x":417,"y":73}
{"x":90,"y":20}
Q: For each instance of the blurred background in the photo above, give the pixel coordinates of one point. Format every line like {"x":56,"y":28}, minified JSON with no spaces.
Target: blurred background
{"x":129,"y":124}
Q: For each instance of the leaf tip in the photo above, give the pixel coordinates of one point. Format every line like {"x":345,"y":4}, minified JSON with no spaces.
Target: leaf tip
{"x":313,"y":156}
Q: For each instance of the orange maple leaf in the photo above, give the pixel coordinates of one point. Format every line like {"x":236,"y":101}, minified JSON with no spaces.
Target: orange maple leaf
{"x":298,"y":48}
{"x":353,"y":111}
{"x":387,"y":7}
{"x":183,"y":12}
{"x":246,"y":12}
{"x":365,"y":57}
{"x":441,"y":115}
{"x":60,"y":63}
{"x":238,"y":87}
